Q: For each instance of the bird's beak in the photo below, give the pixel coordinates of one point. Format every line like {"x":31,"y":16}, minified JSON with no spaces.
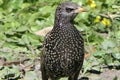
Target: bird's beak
{"x":80,"y":9}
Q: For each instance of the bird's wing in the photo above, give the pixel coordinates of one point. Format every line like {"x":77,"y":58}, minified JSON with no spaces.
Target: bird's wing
{"x":44,"y":43}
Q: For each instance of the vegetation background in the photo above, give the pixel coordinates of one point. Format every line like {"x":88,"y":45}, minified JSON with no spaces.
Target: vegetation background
{"x":21,"y":20}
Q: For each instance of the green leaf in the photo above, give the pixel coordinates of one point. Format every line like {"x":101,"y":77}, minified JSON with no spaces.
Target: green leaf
{"x":1,"y":2}
{"x":82,"y":16}
{"x":10,"y":32}
{"x":35,"y":28}
{"x":25,"y":39}
{"x":117,"y":34}
{"x":108,"y":60}
{"x":106,"y":44}
{"x":22,"y":29}
{"x":117,"y":63}
{"x":2,"y":37}
{"x":45,"y":11}
{"x":116,"y":56}
{"x":64,"y":79}
{"x":110,"y":2}
{"x":99,"y":54}
{"x":34,"y":39}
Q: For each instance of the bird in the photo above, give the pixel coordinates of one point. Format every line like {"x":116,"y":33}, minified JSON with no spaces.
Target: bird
{"x":63,"y":47}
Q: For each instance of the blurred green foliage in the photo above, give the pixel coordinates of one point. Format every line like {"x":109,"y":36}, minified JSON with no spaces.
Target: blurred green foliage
{"x":19,"y":19}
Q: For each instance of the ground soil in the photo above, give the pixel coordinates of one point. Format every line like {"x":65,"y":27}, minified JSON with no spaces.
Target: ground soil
{"x":106,"y":75}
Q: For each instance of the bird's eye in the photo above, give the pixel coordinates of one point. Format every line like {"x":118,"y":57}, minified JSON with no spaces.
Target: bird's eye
{"x":69,"y":10}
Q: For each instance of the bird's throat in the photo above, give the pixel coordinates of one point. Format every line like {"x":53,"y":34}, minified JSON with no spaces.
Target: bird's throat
{"x":62,"y":22}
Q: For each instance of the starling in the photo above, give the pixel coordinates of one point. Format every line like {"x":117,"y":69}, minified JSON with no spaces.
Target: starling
{"x":63,"y":49}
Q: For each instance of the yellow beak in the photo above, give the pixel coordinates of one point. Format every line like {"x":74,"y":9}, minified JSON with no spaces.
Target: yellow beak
{"x":80,"y":9}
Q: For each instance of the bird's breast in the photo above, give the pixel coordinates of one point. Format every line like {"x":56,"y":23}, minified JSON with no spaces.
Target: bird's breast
{"x":63,"y":50}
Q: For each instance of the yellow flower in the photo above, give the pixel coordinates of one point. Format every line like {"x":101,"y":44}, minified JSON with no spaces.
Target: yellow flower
{"x":91,"y":3}
{"x":97,"y":19}
{"x":106,"y":22}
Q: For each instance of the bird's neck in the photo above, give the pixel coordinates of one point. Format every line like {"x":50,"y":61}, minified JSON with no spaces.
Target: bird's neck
{"x":62,"y":22}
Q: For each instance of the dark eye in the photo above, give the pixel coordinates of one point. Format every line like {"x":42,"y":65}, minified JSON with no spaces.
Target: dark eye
{"x":69,"y":10}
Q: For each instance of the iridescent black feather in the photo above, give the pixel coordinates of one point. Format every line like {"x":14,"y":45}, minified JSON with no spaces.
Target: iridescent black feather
{"x":63,"y":51}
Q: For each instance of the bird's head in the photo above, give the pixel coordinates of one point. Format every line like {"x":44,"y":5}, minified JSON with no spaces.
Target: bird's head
{"x":67,"y":11}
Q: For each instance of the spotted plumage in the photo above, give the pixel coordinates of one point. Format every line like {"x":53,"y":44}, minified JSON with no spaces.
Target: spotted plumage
{"x":63,"y":49}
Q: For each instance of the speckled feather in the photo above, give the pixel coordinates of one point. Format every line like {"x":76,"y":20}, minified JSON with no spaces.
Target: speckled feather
{"x":63,"y":49}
